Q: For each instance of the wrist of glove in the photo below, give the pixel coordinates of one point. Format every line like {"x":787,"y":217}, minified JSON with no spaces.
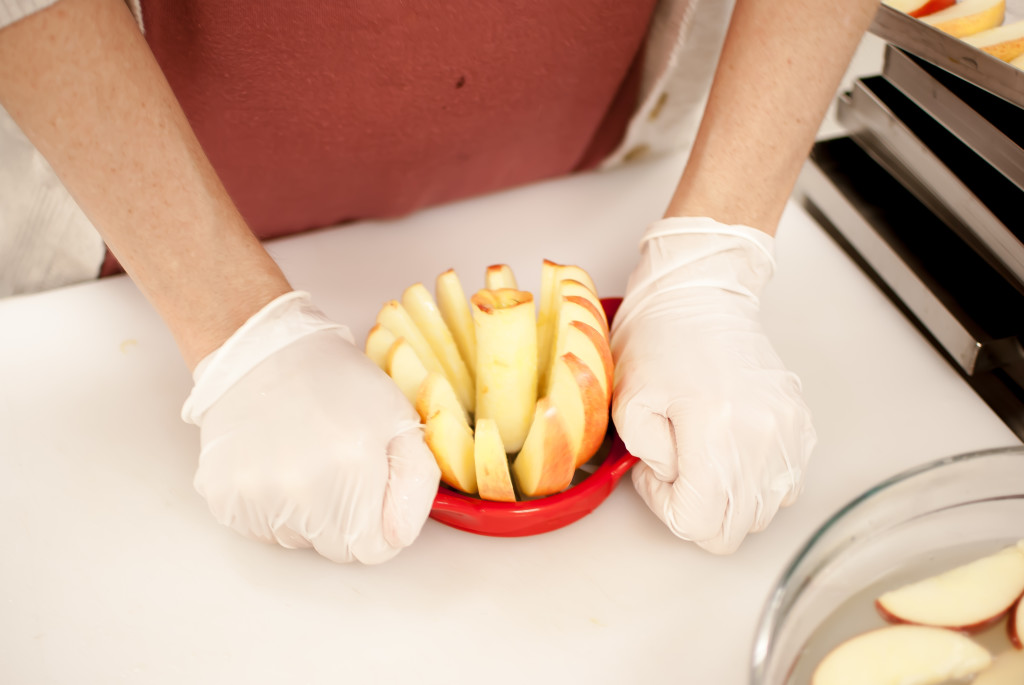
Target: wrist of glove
{"x":306,"y":442}
{"x":701,"y":396}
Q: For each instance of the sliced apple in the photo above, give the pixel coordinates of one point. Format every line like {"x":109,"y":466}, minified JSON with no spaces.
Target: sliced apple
{"x":577,"y":395}
{"x":551,"y":276}
{"x":969,"y":597}
{"x":424,"y":312}
{"x":394,"y":317}
{"x":1002,"y":42}
{"x":571,"y":288}
{"x":434,"y":348}
{"x":547,"y":461}
{"x":499,"y":276}
{"x":1015,"y":626}
{"x":454,"y":308}
{"x":406,"y":369}
{"x":968,"y":17}
{"x":378,"y":343}
{"x":436,"y":392}
{"x":896,"y":655}
{"x":493,"y":480}
{"x":1007,"y":668}
{"x":919,"y":8}
{"x":571,"y":308}
{"x":450,"y":438}
{"x":506,"y":362}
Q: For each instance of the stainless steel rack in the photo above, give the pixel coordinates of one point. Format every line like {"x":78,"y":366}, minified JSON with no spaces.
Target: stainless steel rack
{"x":925,"y":193}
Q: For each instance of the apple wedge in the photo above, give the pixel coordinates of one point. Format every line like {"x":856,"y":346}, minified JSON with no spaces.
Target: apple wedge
{"x":919,"y":8}
{"x":1004,"y":42}
{"x":1007,"y":668}
{"x":499,"y":276}
{"x":406,"y":369}
{"x":378,"y":343}
{"x":454,"y":308}
{"x":575,"y":289}
{"x":394,"y":317}
{"x":424,"y":312}
{"x":573,"y":309}
{"x":577,"y":395}
{"x":896,"y":655}
{"x":447,"y":432}
{"x":551,"y":276}
{"x":450,"y":438}
{"x":968,"y":17}
{"x":1015,"y":625}
{"x":493,"y":480}
{"x":970,"y":597}
{"x":506,"y":362}
{"x":548,"y":459}
{"x":436,"y":392}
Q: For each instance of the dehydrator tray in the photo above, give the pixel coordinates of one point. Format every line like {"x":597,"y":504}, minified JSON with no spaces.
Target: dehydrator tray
{"x":952,"y":54}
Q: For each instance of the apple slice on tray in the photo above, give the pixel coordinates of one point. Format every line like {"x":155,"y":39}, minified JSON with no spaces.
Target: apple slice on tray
{"x":919,"y":8}
{"x":513,"y":395}
{"x":970,"y":597}
{"x":968,"y":17}
{"x":896,"y":655}
{"x":1004,"y":42}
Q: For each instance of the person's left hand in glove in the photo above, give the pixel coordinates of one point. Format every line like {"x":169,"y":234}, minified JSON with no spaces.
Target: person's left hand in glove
{"x":700,"y":395}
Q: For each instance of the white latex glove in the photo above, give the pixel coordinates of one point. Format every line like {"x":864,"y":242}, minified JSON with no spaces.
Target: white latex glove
{"x":700,"y":395}
{"x":306,"y":442}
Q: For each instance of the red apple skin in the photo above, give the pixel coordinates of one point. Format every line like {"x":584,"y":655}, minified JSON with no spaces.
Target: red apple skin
{"x":1013,"y":626}
{"x":969,"y":629}
{"x":587,"y":304}
{"x":595,"y":407}
{"x":931,"y":7}
{"x":601,"y":344}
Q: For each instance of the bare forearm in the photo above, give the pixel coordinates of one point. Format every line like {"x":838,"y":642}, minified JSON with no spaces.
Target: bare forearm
{"x":780,"y":67}
{"x":81,"y":82}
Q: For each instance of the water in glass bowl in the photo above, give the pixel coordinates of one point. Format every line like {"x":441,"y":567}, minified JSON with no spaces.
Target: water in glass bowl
{"x":858,"y":614}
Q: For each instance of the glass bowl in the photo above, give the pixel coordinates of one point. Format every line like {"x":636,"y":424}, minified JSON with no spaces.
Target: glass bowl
{"x":591,"y":485}
{"x":919,"y":522}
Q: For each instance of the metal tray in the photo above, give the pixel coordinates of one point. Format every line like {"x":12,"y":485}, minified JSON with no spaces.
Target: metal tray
{"x":991,"y":127}
{"x":954,"y":296}
{"x":935,"y":172}
{"x":952,"y":54}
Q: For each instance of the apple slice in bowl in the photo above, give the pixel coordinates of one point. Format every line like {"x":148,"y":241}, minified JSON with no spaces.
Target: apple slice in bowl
{"x":968,"y":598}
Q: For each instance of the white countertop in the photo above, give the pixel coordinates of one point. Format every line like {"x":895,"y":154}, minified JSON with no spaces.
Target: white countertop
{"x":113,"y":571}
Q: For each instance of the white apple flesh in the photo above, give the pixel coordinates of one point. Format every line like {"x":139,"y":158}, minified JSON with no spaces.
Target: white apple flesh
{"x":450,"y":438}
{"x":902,"y":655}
{"x":552,"y":275}
{"x":499,"y":276}
{"x":506,"y":362}
{"x":378,"y":343}
{"x":454,"y":307}
{"x":406,"y":369}
{"x":435,"y":393}
{"x":394,"y":317}
{"x":424,"y":312}
{"x":969,"y":597}
{"x":493,"y":481}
